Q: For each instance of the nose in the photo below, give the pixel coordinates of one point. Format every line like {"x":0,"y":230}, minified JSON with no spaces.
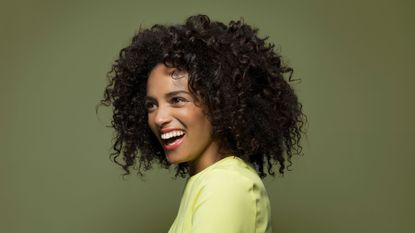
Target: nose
{"x":162,"y":116}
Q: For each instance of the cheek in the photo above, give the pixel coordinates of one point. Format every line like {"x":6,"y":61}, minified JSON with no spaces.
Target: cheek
{"x":202,"y":124}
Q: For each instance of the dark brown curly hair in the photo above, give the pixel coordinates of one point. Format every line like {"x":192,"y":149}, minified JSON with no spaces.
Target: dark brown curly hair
{"x":237,"y":76}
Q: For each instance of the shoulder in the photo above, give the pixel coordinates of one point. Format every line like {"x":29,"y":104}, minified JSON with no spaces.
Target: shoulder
{"x":229,"y":177}
{"x":229,"y":197}
{"x":231,"y":172}
{"x":228,"y":186}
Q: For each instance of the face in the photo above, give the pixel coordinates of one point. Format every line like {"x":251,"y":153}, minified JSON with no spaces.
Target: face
{"x":178,"y":121}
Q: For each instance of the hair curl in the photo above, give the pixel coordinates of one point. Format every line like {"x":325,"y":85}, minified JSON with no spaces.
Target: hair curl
{"x":236,"y":75}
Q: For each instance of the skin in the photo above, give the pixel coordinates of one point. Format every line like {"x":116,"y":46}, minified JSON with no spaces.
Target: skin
{"x":180,"y":110}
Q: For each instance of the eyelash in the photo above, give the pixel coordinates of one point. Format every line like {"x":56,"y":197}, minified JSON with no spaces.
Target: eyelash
{"x":174,"y":100}
{"x":178,"y":99}
{"x":147,"y":105}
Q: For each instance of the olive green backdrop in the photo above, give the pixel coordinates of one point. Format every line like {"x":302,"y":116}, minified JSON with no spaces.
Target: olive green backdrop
{"x":355,"y":59}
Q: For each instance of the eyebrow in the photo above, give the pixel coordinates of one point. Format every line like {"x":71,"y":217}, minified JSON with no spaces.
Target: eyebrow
{"x":168,"y":95}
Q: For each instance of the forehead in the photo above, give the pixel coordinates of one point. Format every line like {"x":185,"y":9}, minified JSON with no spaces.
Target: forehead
{"x":160,"y":80}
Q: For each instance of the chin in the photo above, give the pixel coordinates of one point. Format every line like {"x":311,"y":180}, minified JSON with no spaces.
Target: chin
{"x":173,"y":161}
{"x":176,"y":161}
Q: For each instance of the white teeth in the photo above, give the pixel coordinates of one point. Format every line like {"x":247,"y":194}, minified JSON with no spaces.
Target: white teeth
{"x":172,"y":134}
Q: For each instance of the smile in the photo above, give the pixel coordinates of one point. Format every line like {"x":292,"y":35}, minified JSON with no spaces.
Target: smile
{"x":172,"y":138}
{"x":173,"y":143}
{"x":174,"y":133}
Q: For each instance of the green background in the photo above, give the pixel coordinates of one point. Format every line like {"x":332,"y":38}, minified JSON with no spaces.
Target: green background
{"x":355,"y":60}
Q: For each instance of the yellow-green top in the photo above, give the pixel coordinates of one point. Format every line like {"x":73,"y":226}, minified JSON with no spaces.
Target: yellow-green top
{"x":228,"y":196}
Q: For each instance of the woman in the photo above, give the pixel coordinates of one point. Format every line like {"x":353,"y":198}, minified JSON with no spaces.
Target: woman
{"x":211,"y":99}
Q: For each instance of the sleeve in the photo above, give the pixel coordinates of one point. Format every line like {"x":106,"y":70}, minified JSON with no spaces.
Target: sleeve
{"x":225,"y":204}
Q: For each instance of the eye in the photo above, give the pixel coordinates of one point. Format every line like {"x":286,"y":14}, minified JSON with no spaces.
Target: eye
{"x":149,"y":106}
{"x":177,"y":100}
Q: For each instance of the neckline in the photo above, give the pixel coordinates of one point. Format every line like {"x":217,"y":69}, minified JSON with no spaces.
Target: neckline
{"x":210,"y":167}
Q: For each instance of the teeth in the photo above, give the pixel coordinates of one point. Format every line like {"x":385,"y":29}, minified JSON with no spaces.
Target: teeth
{"x":172,"y":134}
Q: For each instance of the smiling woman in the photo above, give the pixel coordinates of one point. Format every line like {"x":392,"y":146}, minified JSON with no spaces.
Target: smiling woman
{"x":180,"y":125}
{"x":210,"y":99}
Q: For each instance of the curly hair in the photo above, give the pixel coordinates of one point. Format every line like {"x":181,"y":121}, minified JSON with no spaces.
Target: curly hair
{"x":237,"y":76}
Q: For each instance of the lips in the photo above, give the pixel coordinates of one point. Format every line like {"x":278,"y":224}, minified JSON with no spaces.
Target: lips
{"x":172,"y":141}
{"x":175,"y":144}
